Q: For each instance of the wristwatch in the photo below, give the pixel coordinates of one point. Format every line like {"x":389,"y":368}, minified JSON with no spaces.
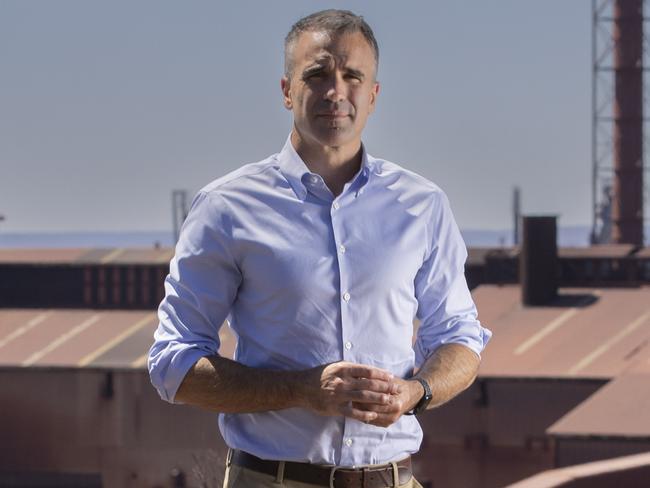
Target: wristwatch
{"x":424,"y":401}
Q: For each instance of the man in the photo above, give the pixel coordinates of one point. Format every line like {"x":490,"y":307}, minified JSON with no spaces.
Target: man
{"x":320,"y":257}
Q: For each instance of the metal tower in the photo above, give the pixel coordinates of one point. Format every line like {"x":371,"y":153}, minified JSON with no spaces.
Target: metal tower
{"x":619,"y":59}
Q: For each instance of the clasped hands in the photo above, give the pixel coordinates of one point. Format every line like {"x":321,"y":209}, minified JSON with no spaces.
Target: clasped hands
{"x":365,"y":393}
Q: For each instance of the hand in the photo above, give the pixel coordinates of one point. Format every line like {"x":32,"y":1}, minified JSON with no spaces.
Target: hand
{"x":410,"y":393}
{"x":349,"y":389}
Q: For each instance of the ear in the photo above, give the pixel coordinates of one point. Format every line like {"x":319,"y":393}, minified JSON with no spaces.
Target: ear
{"x":373,"y":97}
{"x":285,"y":84}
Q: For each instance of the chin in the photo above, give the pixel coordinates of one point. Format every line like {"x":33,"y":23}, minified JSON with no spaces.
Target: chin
{"x":335,"y":137}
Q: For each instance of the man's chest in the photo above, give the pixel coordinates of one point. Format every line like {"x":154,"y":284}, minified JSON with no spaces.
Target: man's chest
{"x":362,"y":242}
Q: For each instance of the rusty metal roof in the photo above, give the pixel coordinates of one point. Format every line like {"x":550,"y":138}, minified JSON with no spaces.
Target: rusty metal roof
{"x":81,"y":338}
{"x":145,"y":255}
{"x":477,"y":255}
{"x":621,"y":408}
{"x":597,"y":251}
{"x":118,"y":255}
{"x":588,"y":333}
{"x":593,"y":333}
{"x":630,"y":469}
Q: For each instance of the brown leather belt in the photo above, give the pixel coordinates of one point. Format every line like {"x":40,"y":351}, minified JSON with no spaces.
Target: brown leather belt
{"x":380,"y":476}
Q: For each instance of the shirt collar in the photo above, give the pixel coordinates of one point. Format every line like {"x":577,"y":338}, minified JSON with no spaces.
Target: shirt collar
{"x":297,"y":173}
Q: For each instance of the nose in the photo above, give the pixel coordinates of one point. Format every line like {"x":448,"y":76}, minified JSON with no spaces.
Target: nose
{"x":335,"y":91}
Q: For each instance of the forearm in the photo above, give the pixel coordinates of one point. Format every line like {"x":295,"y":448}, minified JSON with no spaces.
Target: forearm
{"x":222,"y":385}
{"x":451,"y":369}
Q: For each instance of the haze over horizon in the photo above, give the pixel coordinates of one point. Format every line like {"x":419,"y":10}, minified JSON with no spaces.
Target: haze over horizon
{"x":105,"y":108}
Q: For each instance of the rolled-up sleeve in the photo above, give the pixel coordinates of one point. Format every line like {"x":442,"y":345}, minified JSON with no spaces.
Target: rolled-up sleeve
{"x":446,"y":310}
{"x":199,"y":291}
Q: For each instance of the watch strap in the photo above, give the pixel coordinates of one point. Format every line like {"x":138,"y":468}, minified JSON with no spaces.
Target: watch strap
{"x":424,"y":401}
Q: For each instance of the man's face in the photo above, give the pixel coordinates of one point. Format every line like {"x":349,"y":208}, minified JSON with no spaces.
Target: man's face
{"x":332,"y":88}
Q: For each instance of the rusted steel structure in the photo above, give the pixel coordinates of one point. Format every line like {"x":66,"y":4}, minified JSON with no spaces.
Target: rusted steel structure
{"x":82,"y":374}
{"x":627,"y":209}
{"x":132,"y":278}
{"x":618,"y":121}
{"x":80,"y":409}
{"x":106,"y":278}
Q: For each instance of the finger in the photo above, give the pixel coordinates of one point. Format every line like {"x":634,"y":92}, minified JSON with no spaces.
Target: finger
{"x":384,"y":420}
{"x":380,"y":409}
{"x":364,"y":396}
{"x":361,"y":415}
{"x":364,"y":371}
{"x":371,"y":385}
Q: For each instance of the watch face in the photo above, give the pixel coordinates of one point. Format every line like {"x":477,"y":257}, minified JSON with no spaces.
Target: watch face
{"x":424,"y":403}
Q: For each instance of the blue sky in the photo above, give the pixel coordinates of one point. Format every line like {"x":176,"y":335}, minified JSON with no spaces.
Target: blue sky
{"x":105,"y":107}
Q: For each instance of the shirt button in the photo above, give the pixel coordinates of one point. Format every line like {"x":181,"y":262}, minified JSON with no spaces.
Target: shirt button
{"x":335,"y":205}
{"x":313,"y":179}
{"x":348,"y":345}
{"x":342,"y":248}
{"x":346,"y":296}
{"x":348,"y":442}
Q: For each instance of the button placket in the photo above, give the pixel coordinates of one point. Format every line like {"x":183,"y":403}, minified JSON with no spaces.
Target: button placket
{"x":346,"y":440}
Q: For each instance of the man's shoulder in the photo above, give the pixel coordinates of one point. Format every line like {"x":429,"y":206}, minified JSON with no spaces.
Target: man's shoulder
{"x":392,"y":170}
{"x":241,"y":177}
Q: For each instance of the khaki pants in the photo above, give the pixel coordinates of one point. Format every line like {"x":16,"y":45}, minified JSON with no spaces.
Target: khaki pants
{"x":238,"y":477}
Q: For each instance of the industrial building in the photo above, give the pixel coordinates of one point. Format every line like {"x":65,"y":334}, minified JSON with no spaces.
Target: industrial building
{"x":563,"y":393}
{"x":562,"y":382}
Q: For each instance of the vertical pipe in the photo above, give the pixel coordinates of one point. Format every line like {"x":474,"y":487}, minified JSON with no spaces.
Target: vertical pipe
{"x":594,"y":122}
{"x":627,"y":208}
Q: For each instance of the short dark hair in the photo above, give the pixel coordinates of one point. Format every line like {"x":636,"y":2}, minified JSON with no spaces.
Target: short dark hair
{"x":332,"y":22}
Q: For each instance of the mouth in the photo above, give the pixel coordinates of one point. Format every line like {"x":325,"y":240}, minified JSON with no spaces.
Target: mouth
{"x":334,"y":115}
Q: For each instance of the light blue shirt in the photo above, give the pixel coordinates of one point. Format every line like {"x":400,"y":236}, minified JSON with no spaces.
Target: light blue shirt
{"x":305,"y":279}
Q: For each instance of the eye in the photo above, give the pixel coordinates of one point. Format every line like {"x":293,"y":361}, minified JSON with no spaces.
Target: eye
{"x":313,"y":75}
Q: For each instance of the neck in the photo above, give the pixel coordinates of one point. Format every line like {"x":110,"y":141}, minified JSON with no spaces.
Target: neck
{"x":336,"y":165}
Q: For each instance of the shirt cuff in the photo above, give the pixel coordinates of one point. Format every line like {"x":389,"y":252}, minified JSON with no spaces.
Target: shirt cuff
{"x":169,"y":367}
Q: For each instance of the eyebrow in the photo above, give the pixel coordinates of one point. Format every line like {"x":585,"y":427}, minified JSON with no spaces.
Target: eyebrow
{"x":355,"y":72}
{"x":312,"y":70}
{"x":318,"y":68}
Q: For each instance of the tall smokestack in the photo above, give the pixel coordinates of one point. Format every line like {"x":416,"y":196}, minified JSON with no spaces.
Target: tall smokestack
{"x":538,"y":260}
{"x":627,"y":206}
